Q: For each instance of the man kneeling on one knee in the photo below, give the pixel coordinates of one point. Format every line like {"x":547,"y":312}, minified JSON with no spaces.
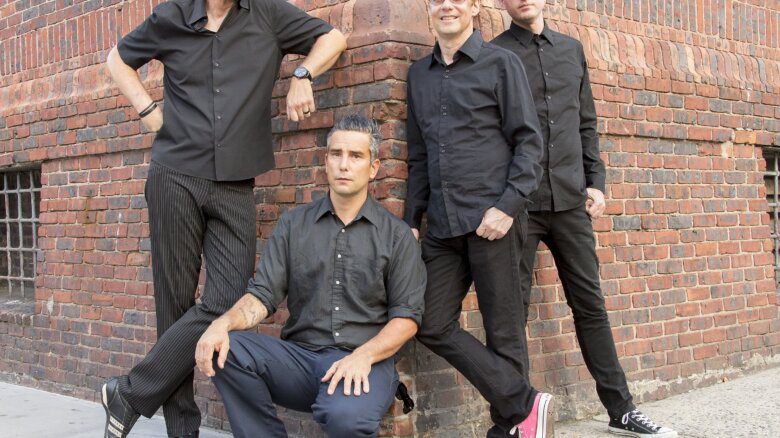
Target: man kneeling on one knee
{"x":354,"y":282}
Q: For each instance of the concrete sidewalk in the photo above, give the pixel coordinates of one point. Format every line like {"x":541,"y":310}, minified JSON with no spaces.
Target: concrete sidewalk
{"x":745,"y":407}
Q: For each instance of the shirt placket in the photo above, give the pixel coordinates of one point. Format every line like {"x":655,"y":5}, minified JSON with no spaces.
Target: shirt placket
{"x":550,"y":146}
{"x":218,"y":82}
{"x":339,"y":283}
{"x":444,"y":147}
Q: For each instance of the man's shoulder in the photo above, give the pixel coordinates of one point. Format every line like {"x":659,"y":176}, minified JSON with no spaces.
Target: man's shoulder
{"x":568,"y":42}
{"x":302,"y":211}
{"x":421,"y":64}
{"x":504,"y":38}
{"x":499,"y":54}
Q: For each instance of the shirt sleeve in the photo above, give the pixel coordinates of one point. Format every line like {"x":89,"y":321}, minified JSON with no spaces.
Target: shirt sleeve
{"x":520,"y":126}
{"x":406,"y":279}
{"x":595,"y":173}
{"x":269,"y":284}
{"x":143,"y":43}
{"x":417,"y":186}
{"x":295,"y":30}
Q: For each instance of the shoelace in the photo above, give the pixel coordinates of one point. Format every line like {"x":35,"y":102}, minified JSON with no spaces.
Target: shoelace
{"x":640,"y":417}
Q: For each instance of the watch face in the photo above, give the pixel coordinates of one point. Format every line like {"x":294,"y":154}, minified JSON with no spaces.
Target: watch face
{"x":301,"y":72}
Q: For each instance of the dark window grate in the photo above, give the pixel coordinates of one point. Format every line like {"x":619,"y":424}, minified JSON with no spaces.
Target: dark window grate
{"x":20,"y":196}
{"x":772,"y":184}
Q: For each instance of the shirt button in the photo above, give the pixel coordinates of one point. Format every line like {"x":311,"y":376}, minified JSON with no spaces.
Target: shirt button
{"x":218,"y":90}
{"x":343,"y":230}
{"x":337,"y":334}
{"x":219,"y":117}
{"x":216,"y":64}
{"x":552,"y":122}
{"x":219,"y":145}
{"x":338,"y":282}
{"x":541,"y":50}
{"x":338,"y":255}
{"x":549,"y":97}
{"x":336,"y":308}
{"x":552,"y":145}
{"x":546,"y":74}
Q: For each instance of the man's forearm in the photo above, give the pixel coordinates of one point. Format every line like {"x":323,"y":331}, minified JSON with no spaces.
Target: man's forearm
{"x":389,"y":340}
{"x":244,"y":315}
{"x":128,"y":81}
{"x":325,"y":52}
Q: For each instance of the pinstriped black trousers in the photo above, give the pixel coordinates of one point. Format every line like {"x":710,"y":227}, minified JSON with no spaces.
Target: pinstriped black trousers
{"x":189,"y":217}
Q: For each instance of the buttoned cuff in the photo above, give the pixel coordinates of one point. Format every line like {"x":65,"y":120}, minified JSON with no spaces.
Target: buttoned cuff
{"x":511,"y":203}
{"x":405,"y":312}
{"x":596,"y":181}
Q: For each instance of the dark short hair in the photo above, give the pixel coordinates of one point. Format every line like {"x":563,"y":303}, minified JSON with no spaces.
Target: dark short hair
{"x":358,"y":123}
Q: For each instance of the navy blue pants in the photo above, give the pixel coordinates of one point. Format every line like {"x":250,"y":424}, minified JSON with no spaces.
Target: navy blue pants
{"x":261,"y":371}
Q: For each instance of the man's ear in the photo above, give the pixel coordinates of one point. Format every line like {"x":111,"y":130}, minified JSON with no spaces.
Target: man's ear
{"x":374,"y":168}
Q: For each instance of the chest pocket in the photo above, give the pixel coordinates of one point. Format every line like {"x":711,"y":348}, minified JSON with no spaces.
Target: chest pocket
{"x":367,"y":282}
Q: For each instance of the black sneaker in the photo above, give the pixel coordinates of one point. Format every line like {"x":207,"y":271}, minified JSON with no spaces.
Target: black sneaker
{"x":636,"y":424}
{"x":120,"y":416}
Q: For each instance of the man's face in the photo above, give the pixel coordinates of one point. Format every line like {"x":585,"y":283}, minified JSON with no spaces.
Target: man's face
{"x":348,"y":163}
{"x":452,"y":17}
{"x":524,"y":11}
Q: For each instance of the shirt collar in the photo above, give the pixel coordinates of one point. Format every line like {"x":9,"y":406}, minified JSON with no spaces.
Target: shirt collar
{"x":368,"y":211}
{"x":470,"y":48}
{"x":199,"y":12}
{"x":524,"y":36}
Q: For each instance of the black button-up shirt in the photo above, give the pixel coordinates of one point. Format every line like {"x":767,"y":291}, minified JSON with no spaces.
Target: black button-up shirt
{"x":217,"y":114}
{"x":343,"y":283}
{"x":473,"y":138}
{"x":558,"y":75}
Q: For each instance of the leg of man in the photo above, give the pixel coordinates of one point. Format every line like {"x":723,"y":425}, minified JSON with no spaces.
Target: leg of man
{"x":537,"y":229}
{"x":449,"y":277}
{"x":350,"y":416}
{"x":228,"y":248}
{"x":260,"y":371}
{"x":495,"y":266}
{"x":573,"y":247}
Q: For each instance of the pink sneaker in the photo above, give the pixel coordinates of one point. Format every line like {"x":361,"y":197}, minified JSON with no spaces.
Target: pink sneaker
{"x":539,"y":423}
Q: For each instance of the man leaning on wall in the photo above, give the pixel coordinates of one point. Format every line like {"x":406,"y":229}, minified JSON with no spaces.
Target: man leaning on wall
{"x":570,"y":195}
{"x":221,"y":60}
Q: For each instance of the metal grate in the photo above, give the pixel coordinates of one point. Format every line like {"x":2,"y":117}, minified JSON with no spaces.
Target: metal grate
{"x":20,"y":195}
{"x":772,"y":184}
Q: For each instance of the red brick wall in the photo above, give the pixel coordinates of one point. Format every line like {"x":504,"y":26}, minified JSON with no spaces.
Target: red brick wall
{"x":686,"y":97}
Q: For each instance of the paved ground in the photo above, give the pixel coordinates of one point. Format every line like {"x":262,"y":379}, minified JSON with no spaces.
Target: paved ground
{"x":745,"y":407}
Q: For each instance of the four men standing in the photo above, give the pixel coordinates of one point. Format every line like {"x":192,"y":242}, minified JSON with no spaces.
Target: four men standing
{"x":484,"y":149}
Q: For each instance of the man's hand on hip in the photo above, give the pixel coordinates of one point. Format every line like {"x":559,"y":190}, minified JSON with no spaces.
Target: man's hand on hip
{"x":595,"y":204}
{"x":495,"y":224}
{"x":354,"y":368}
{"x":214,"y":340}
{"x":300,"y":100}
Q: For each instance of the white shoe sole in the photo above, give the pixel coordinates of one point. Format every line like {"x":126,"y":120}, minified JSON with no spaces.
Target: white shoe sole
{"x":544,"y":422}
{"x":616,"y":431}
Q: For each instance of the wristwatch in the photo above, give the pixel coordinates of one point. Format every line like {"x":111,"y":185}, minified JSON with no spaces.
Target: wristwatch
{"x":302,"y":73}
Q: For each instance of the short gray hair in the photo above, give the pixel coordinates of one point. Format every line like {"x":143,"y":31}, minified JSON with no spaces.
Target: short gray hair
{"x":358,"y":123}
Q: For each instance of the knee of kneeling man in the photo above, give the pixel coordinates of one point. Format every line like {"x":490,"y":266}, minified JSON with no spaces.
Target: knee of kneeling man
{"x":350,"y":425}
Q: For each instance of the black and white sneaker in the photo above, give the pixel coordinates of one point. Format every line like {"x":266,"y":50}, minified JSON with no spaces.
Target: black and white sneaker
{"x":636,"y":424}
{"x":120,"y":416}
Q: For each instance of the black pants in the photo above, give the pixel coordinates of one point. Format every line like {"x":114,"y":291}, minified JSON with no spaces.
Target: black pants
{"x":569,"y":235}
{"x":495,"y":369}
{"x":188,"y":217}
{"x":261,"y":371}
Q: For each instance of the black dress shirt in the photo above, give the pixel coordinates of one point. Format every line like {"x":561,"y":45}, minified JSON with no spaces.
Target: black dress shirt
{"x":343,"y":283}
{"x":558,"y":75}
{"x":217,"y":114}
{"x":473,"y":138}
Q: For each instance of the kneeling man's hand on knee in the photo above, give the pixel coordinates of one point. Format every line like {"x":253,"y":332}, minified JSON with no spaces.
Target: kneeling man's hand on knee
{"x":354,"y":368}
{"x":215,"y":339}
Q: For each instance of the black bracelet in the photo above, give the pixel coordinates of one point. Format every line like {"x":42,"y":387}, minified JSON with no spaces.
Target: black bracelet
{"x":148,"y":110}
